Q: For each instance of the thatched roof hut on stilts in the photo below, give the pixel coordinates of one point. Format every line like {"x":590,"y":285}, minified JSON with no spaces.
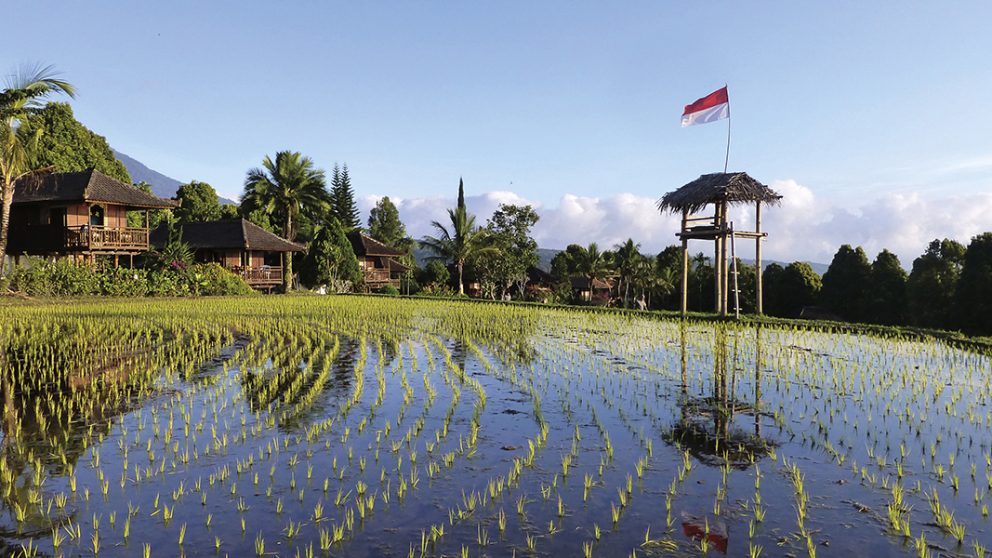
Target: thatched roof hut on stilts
{"x":721,"y":190}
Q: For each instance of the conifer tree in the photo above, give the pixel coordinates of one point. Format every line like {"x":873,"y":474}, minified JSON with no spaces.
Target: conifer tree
{"x":974,"y":292}
{"x":343,"y":206}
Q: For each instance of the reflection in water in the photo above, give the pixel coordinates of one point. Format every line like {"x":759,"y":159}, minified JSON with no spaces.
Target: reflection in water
{"x":292,"y":387}
{"x":708,"y":427}
{"x":56,"y":400}
{"x":714,"y":530}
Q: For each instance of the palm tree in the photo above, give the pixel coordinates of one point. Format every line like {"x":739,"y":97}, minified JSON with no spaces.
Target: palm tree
{"x":592,"y":263}
{"x":458,"y":245}
{"x":23,"y":97}
{"x":625,"y":258}
{"x":284,"y":189}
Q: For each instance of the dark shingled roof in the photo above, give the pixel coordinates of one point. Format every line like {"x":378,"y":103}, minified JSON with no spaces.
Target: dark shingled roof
{"x":395,"y":266}
{"x":733,"y":187}
{"x":86,"y":186}
{"x":365,"y":245}
{"x":581,"y":283}
{"x":227,"y":233}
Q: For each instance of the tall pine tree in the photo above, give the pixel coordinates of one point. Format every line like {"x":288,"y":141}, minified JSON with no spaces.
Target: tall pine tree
{"x":343,"y":206}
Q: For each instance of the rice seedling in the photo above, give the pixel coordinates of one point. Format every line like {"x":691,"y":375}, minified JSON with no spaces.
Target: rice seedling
{"x":424,"y":405}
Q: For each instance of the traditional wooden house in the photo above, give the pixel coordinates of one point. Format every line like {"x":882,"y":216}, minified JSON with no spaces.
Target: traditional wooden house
{"x":598,"y":292}
{"x":377,"y":261}
{"x":237,"y":244}
{"x":80,"y":215}
{"x":540,"y":284}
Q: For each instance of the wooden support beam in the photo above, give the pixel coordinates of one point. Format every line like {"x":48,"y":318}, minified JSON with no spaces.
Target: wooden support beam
{"x":685,"y":265}
{"x":758,"y":286}
{"x":721,"y":260}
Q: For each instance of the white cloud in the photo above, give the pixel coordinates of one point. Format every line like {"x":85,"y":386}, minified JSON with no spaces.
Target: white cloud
{"x":803,"y":227}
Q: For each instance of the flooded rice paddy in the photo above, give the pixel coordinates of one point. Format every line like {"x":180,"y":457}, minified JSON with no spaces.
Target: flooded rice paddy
{"x":355,"y":426}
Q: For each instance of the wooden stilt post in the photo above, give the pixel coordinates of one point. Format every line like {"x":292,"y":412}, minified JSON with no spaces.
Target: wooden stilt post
{"x":685,"y":264}
{"x":736,"y":272}
{"x":758,"y":287}
{"x":717,"y":266}
{"x":722,"y":240}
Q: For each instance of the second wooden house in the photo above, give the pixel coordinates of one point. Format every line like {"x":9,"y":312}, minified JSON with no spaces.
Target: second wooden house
{"x":378,"y":262}
{"x":237,"y":244}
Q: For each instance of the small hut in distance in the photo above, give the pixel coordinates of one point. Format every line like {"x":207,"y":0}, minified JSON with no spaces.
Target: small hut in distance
{"x":721,"y":190}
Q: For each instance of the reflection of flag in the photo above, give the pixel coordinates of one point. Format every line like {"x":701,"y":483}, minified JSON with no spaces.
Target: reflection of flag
{"x":712,"y":107}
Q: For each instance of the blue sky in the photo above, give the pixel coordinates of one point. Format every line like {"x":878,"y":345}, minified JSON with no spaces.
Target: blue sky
{"x":851,"y":101}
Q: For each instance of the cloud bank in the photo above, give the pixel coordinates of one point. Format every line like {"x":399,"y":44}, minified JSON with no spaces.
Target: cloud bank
{"x":803,"y":227}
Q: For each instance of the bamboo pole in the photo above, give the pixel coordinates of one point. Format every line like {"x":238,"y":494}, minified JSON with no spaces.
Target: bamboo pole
{"x":733,"y":259}
{"x":717,"y":277}
{"x":685,"y":264}
{"x":724,"y":272}
{"x":758,"y":286}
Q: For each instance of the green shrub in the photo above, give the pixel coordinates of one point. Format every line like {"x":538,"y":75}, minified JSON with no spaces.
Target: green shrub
{"x":39,"y":277}
{"x":389,"y":290}
{"x":119,"y":281}
{"x":438,"y":291}
{"x":168,"y":283}
{"x":212,"y":279}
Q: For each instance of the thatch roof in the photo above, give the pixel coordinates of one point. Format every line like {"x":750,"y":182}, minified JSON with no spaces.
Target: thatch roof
{"x":238,"y":234}
{"x":732,"y":187}
{"x":86,"y":186}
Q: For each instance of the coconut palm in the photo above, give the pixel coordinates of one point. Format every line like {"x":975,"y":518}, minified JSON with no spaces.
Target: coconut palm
{"x":463,"y":241}
{"x":284,"y":189}
{"x":23,"y":97}
{"x":625,"y":258}
{"x":591,"y":263}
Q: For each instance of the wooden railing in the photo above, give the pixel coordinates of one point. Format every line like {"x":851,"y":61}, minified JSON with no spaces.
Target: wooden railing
{"x":377,"y":276}
{"x":41,"y":239}
{"x":96,"y":237}
{"x":265,"y":275}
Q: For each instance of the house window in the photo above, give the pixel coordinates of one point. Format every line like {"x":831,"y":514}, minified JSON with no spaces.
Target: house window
{"x":96,"y":216}
{"x":57,"y":216}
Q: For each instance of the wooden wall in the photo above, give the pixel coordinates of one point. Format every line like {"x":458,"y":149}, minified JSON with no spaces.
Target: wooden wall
{"x":77,"y":215}
{"x":115,"y":216}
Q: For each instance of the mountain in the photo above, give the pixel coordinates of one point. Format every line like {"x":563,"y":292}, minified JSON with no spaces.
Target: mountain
{"x":162,"y":186}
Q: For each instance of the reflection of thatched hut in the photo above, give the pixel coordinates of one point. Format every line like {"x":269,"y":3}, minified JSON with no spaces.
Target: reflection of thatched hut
{"x":721,"y":190}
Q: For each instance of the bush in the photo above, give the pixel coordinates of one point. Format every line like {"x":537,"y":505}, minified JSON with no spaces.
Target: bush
{"x":389,"y":290}
{"x":119,"y":281}
{"x":212,"y":279}
{"x":40,"y":277}
{"x":168,"y":283}
{"x":435,"y":290}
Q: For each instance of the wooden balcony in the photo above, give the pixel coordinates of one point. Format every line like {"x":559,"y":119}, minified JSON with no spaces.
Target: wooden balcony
{"x":48,"y":239}
{"x":265,"y":276}
{"x":378,"y":276}
{"x":93,"y":237}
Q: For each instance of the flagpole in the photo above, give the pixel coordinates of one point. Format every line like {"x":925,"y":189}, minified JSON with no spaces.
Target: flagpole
{"x":726,"y":159}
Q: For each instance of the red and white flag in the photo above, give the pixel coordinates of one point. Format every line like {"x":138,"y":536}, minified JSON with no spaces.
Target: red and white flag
{"x":714,"y":106}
